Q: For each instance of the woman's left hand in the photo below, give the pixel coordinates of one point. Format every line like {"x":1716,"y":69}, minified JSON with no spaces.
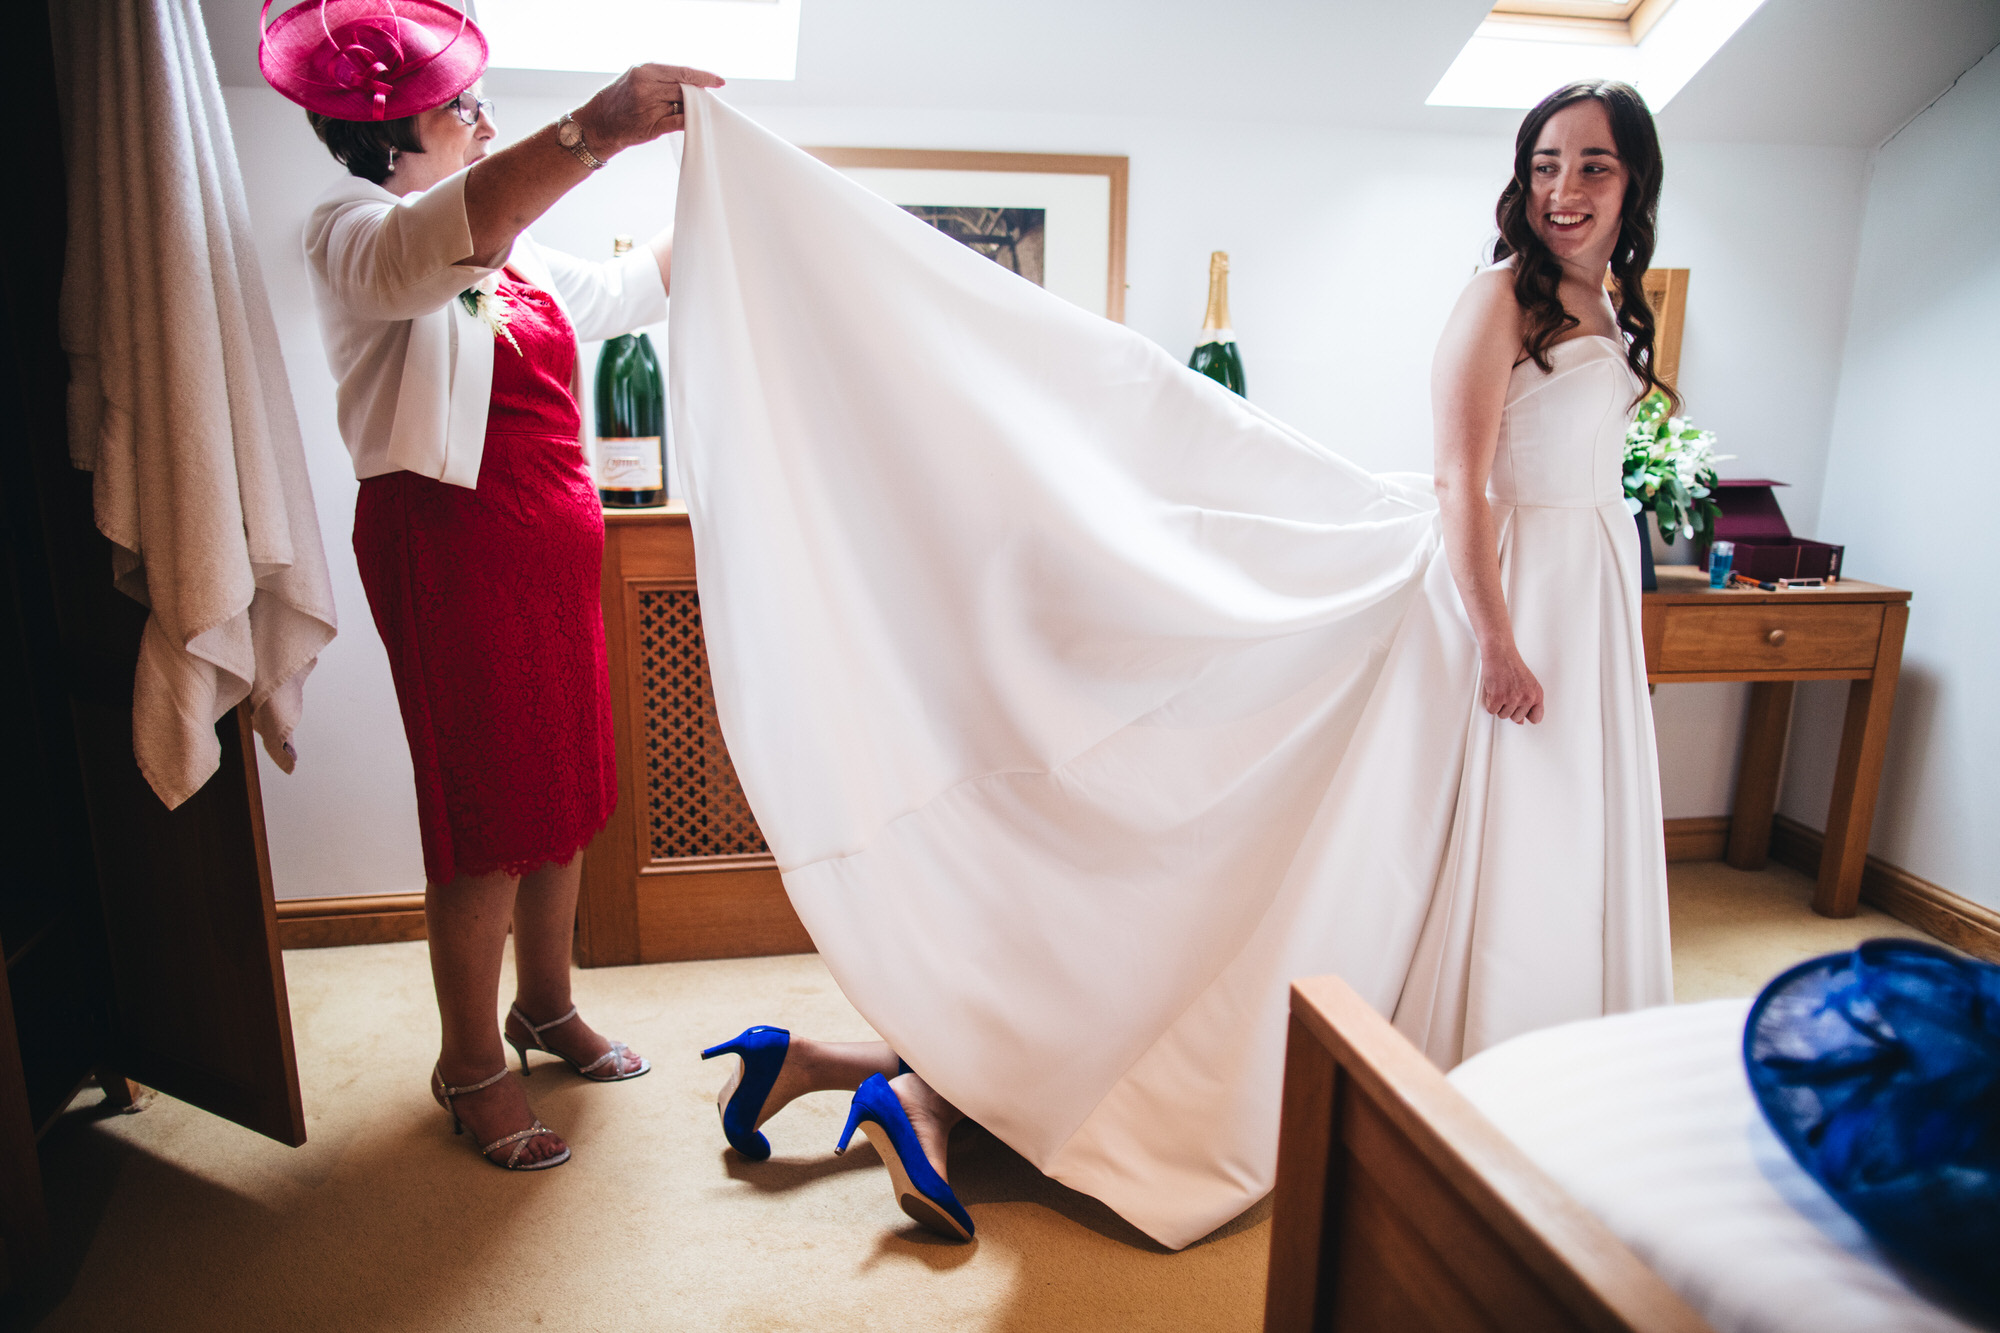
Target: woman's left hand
{"x":639,"y":106}
{"x":1507,"y":689}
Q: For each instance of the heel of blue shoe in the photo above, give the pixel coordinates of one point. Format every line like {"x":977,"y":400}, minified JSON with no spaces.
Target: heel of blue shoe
{"x":750,"y":1040}
{"x":856,"y":1112}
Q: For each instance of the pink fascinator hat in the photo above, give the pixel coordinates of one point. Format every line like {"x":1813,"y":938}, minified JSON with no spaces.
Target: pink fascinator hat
{"x":370,"y":59}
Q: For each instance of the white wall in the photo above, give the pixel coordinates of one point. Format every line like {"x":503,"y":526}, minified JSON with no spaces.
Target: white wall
{"x":1909,"y":489}
{"x":1347,"y":247}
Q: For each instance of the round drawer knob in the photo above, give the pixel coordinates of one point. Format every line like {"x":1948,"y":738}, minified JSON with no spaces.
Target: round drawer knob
{"x":1776,"y":638}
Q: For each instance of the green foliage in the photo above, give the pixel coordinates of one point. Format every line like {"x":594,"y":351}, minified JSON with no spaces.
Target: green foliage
{"x":1670,"y":469}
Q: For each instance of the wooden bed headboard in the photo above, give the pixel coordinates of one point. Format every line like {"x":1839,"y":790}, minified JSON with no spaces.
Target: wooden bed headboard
{"x":1400,"y":1208}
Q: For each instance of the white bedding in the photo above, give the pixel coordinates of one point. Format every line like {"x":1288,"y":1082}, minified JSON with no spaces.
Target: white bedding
{"x":1647,"y":1120}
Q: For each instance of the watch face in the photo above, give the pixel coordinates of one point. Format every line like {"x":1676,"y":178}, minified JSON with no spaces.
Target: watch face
{"x":569,"y":134}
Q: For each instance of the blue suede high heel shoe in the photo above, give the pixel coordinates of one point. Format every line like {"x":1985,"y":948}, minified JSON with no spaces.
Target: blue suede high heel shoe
{"x":920,"y":1190}
{"x":760,"y":1052}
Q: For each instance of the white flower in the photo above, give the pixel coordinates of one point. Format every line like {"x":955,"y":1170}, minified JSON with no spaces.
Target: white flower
{"x":490,"y":307}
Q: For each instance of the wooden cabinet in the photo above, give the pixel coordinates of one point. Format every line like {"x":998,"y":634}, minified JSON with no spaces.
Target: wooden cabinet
{"x":1852,"y":631}
{"x":682,"y":871}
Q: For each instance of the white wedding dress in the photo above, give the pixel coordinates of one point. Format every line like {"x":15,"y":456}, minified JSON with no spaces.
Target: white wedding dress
{"x":1085,"y":706}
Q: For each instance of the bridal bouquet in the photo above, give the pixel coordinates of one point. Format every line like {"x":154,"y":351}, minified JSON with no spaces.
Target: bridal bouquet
{"x":1670,"y":469}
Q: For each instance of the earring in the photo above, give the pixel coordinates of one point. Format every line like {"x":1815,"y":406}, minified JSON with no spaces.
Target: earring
{"x":392,"y":159}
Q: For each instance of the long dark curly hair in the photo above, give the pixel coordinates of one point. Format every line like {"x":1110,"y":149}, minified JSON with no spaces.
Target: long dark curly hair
{"x":1537,"y":273}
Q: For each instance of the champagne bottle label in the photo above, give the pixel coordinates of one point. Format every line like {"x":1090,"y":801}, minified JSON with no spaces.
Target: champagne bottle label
{"x":1215,"y":336}
{"x":630,"y":463}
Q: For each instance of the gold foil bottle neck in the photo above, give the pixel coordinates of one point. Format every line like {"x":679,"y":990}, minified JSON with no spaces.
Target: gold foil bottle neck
{"x":1217,"y":316}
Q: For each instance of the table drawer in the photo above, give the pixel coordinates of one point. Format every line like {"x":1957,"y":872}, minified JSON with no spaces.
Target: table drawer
{"x":1764,"y":637}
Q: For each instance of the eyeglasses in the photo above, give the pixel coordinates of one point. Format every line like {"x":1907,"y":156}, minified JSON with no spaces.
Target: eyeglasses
{"x":469,"y":107}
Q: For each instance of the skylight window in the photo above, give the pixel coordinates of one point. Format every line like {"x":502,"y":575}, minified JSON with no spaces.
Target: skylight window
{"x":1527,"y":49}
{"x":1608,"y":22}
{"x":738,"y":39}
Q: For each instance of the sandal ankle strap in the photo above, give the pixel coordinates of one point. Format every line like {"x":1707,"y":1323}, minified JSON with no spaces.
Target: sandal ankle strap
{"x":539,"y":1028}
{"x":484,"y":1083}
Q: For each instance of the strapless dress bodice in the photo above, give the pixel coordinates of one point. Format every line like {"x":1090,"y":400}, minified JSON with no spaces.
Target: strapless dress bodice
{"x":1562,"y":434}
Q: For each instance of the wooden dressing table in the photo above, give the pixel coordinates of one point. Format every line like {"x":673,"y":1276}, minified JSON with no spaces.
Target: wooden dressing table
{"x":1851,"y":631}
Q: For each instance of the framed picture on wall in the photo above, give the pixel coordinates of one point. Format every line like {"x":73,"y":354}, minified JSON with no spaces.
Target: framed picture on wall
{"x":1667,"y":293}
{"x":1057,"y":219}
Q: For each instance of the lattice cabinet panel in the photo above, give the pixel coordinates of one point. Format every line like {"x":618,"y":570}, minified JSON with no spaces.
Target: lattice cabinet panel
{"x":694,"y":805}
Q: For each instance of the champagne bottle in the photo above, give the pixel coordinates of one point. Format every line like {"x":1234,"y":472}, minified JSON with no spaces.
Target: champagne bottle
{"x":1215,"y":355}
{"x":631,"y":419}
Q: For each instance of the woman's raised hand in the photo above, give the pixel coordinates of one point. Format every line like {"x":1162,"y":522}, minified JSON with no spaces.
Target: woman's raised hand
{"x":639,"y":106}
{"x":1507,"y":689}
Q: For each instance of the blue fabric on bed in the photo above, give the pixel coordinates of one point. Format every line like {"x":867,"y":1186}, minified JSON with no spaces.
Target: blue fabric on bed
{"x":1880,"y":1070}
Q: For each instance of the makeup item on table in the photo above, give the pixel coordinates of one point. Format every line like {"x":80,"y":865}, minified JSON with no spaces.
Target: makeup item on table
{"x":1720,"y":553}
{"x":1740,"y":580}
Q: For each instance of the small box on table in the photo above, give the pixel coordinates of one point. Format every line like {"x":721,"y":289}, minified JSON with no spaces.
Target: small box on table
{"x":1765,"y":546}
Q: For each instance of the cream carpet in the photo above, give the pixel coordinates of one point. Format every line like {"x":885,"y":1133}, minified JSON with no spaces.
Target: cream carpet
{"x":171,"y":1219}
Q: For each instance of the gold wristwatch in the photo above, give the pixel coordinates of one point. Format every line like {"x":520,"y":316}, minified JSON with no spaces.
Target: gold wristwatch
{"x":570,"y":135}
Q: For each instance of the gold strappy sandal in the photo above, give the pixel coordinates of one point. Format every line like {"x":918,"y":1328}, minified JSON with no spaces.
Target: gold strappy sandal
{"x":445,"y":1095}
{"x":614,"y":1058}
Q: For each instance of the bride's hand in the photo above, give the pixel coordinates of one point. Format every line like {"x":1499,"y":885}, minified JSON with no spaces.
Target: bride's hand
{"x":1508,"y":690}
{"x":638,"y":106}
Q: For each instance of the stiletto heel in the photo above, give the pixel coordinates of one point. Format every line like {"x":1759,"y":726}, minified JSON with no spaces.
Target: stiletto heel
{"x":614,"y":1057}
{"x":760,"y":1053}
{"x":920,"y":1190}
{"x":447,"y":1097}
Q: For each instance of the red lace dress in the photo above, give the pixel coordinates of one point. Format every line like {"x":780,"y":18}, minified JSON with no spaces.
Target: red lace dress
{"x":488,"y":602}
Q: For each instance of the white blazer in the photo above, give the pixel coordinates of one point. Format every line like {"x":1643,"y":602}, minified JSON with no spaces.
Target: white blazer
{"x":415,"y":368}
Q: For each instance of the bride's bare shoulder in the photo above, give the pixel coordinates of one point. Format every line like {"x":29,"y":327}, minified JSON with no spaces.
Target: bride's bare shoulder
{"x":1493,"y":284}
{"x":1487,"y":307}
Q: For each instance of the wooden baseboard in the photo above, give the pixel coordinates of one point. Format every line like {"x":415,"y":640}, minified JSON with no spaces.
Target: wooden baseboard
{"x":1702,"y":839}
{"x":319,"y":923}
{"x":1931,"y":908}
{"x":740,"y":913}
{"x":324,"y":923}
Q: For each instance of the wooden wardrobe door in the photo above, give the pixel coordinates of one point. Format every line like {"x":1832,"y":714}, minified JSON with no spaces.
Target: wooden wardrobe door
{"x":174,"y":925}
{"x":198,"y":1008}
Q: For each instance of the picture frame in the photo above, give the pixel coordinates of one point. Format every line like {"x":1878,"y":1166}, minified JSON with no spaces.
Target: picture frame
{"x":1666,"y":292}
{"x":1058,"y":219}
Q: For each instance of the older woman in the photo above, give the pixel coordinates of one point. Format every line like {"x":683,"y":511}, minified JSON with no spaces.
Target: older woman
{"x":454,"y":339}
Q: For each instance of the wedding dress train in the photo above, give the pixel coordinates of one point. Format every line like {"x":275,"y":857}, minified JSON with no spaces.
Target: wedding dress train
{"x":1084,"y":705}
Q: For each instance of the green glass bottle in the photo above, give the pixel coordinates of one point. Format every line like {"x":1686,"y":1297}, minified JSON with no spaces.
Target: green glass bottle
{"x":631,"y":419}
{"x":1215,"y":355}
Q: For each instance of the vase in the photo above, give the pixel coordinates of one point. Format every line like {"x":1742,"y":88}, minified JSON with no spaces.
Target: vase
{"x":1649,"y":579}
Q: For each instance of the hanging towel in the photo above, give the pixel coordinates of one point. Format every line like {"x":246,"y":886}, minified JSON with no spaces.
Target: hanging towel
{"x":178,"y":400}
{"x":1084,"y":706}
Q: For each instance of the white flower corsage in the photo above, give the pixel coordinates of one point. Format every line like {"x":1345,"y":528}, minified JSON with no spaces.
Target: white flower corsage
{"x":485,"y":303}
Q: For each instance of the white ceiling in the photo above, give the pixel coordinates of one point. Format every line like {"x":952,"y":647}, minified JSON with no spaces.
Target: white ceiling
{"x":1835,"y":72}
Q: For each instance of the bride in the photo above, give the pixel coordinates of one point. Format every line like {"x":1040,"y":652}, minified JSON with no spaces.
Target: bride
{"x":1084,"y":706}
